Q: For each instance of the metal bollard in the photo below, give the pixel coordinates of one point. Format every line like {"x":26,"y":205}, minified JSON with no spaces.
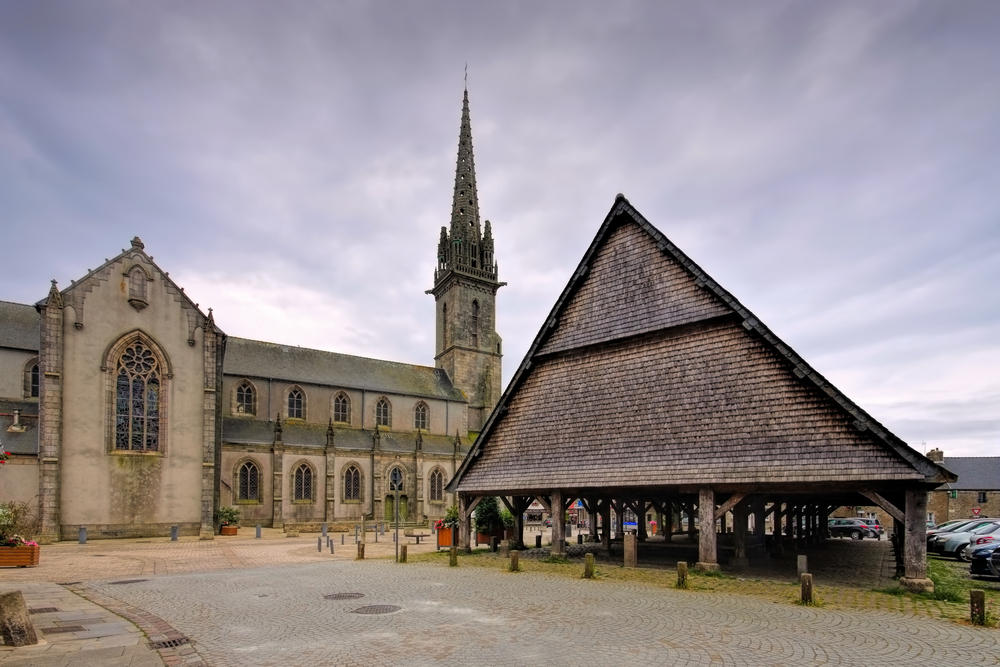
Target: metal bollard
{"x":319,"y":544}
{"x":83,"y":535}
{"x":324,"y":530}
{"x":331,"y":547}
{"x":257,"y":536}
{"x":342,"y":538}
{"x":173,"y":533}
{"x":538,"y":541}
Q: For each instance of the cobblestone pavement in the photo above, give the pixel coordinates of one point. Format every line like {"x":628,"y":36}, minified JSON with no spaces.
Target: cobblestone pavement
{"x":280,"y":615}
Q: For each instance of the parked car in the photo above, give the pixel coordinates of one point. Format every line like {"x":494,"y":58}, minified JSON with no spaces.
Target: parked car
{"x":947,"y":543}
{"x":875,"y":526}
{"x":987,"y":534}
{"x":946,"y":527}
{"x":979,"y":560}
{"x":856,"y":529}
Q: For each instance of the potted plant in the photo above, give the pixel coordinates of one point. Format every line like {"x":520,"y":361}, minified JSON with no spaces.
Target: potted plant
{"x":447,"y":528}
{"x":229,"y":520}
{"x":489,"y":523}
{"x":15,"y":550}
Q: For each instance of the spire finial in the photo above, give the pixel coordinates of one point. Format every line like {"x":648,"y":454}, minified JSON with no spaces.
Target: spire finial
{"x":466,"y":76}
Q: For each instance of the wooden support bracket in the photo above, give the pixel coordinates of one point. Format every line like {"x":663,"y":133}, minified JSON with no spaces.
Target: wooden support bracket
{"x":733,"y":501}
{"x":545,"y":503}
{"x":882,"y":502}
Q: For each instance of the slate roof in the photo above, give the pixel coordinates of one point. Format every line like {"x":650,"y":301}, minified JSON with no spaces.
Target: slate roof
{"x":19,"y":326}
{"x":648,"y":373}
{"x":25,"y":442}
{"x":975,"y":473}
{"x":237,"y":430}
{"x":254,"y":358}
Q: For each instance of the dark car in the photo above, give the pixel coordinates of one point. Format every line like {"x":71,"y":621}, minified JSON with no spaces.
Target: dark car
{"x":980,"y":563}
{"x":856,"y":529}
{"x":875,"y":526}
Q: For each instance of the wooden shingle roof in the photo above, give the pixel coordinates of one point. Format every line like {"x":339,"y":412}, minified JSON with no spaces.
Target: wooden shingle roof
{"x":648,"y":373}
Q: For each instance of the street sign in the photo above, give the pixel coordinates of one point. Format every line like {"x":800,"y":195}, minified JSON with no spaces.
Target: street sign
{"x":976,"y":511}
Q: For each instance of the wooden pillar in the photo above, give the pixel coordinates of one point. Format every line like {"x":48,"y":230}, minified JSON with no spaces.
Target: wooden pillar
{"x":915,"y":543}
{"x":722,"y":523}
{"x":464,"y":527}
{"x":558,"y":524}
{"x":824,"y":523}
{"x":606,"y":524}
{"x":758,"y":518}
{"x":640,"y":521}
{"x":619,"y":507}
{"x":740,"y":534}
{"x":707,"y":559}
{"x":518,"y":524}
{"x":776,"y":547}
{"x":789,"y":520}
{"x":690,"y":512}
{"x":592,"y":514}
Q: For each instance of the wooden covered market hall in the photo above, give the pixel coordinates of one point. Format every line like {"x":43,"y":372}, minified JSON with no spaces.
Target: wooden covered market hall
{"x":651,"y":388}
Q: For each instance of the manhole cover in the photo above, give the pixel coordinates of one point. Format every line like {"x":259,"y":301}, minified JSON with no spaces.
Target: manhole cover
{"x":128,"y":581}
{"x":377,"y":609}
{"x":169,"y":643}
{"x":65,"y":628}
{"x":343,"y":596}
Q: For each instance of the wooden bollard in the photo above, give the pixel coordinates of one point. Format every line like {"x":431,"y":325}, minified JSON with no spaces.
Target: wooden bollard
{"x":588,"y":566}
{"x":15,"y":623}
{"x":361,"y":551}
{"x":402,"y":553}
{"x":682,"y":574}
{"x":806,"y":580}
{"x":802,"y":564}
{"x":453,"y":556}
{"x":631,"y":559}
{"x":515,"y":561}
{"x":977,"y":607}
{"x":505,"y":548}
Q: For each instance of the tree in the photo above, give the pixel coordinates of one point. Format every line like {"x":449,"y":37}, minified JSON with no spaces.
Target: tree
{"x":488,"y":519}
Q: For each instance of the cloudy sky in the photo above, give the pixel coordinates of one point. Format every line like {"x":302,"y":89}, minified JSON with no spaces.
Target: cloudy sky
{"x":835,"y":165}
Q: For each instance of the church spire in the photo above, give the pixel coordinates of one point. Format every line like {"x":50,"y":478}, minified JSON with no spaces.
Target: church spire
{"x":462,"y":246}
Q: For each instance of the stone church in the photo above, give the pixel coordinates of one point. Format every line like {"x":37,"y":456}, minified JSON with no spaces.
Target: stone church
{"x":125,"y":409}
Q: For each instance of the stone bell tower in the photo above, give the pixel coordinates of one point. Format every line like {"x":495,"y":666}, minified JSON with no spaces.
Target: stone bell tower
{"x":465,"y":287}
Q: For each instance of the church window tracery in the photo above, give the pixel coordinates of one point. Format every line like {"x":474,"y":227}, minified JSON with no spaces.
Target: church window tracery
{"x":137,"y":399}
{"x":383,"y":412}
{"x":302,"y":483}
{"x":342,"y":408}
{"x":248,"y":482}
{"x":296,"y":403}
{"x":352,"y":483}
{"x":475,"y":324}
{"x":246,"y":399}
{"x":437,"y":485}
{"x":420,"y":416}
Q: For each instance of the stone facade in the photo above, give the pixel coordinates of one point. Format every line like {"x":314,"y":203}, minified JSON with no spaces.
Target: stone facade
{"x":128,"y":411}
{"x":976,"y":493}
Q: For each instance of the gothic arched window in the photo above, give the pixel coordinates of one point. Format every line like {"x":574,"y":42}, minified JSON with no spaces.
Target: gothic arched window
{"x":420,"y":416}
{"x":342,"y":408}
{"x":248,"y":482}
{"x":31,"y":379}
{"x":444,"y":326}
{"x":137,"y":279}
{"x":352,"y":483}
{"x":302,"y":483}
{"x":383,"y":412}
{"x":296,"y":403}
{"x":437,"y":485}
{"x":137,"y":399}
{"x":246,"y":399}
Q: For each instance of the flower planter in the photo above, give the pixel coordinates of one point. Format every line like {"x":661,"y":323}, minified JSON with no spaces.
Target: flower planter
{"x":228,"y":530}
{"x":20,"y":556}
{"x":446,"y":537}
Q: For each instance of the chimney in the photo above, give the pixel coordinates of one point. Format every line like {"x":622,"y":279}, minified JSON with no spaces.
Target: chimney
{"x":936,"y":455}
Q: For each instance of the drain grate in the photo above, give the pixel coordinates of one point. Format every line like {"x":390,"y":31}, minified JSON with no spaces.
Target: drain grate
{"x":343,"y":596}
{"x":377,"y":609}
{"x":169,"y":643}
{"x":63,"y":628}
{"x":128,"y":581}
{"x":42,"y":610}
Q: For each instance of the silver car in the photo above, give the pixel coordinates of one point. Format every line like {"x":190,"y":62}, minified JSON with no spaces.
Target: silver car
{"x":983,"y":535}
{"x":949,"y":544}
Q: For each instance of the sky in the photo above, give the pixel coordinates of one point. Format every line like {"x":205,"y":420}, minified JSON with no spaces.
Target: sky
{"x":835,"y":166}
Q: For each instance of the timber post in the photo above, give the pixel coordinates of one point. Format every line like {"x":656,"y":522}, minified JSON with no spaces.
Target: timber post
{"x":558,"y":523}
{"x":740,"y":535}
{"x":915,"y":543}
{"x":707,"y":557}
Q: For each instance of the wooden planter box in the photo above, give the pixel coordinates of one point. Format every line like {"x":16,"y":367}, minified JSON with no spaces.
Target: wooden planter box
{"x":22,"y":556}
{"x":446,"y":537}
{"x":228,"y":530}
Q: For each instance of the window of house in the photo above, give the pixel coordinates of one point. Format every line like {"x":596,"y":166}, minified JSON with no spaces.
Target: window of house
{"x":383,"y":412}
{"x":420,"y":416}
{"x":475,"y":324}
{"x":302,"y":485}
{"x":137,"y":399}
{"x":296,"y":404}
{"x":248,"y":482}
{"x":982,"y":497}
{"x":246,"y":399}
{"x":953,"y":493}
{"x":437,"y":485}
{"x":342,"y":408}
{"x":352,"y":483}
